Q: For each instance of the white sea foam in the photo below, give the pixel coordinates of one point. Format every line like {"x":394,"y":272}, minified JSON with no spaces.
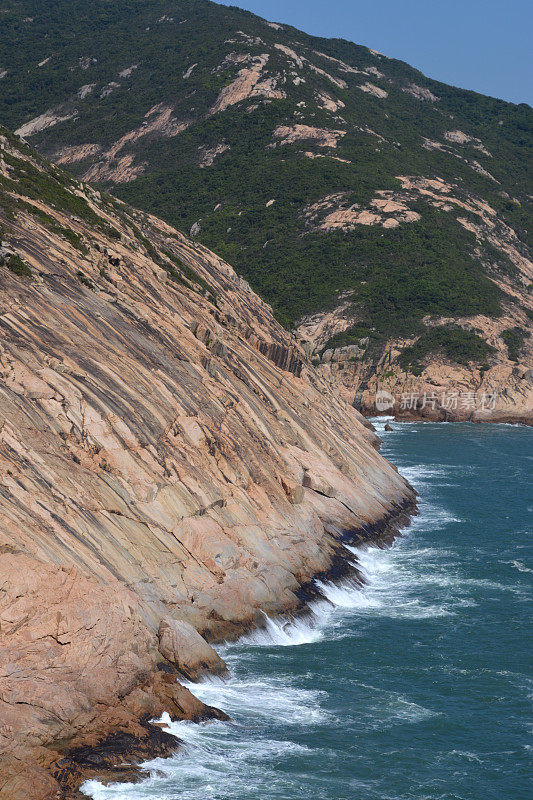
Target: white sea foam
{"x":221,"y":759}
{"x":518,"y":565}
{"x":468,"y":756}
{"x":421,"y":476}
{"x":289,"y":632}
{"x":263,"y":698}
{"x":213,"y":763}
{"x":394,"y":710}
{"x":238,"y":759}
{"x":346,"y":595}
{"x":405,"y":581}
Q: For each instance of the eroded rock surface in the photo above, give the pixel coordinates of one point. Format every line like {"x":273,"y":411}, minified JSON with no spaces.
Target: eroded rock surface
{"x":334,"y":212}
{"x":250,"y":82}
{"x":442,"y":390}
{"x":166,"y":452}
{"x":296,"y":133}
{"x":182,"y":645}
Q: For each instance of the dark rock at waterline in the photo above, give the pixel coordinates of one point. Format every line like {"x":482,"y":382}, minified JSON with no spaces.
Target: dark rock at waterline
{"x":114,"y":758}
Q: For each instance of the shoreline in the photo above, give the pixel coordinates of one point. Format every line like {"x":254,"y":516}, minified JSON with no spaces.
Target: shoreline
{"x":117,"y":752}
{"x":505,"y":419}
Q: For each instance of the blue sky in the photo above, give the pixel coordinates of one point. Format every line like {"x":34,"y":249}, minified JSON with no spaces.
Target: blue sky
{"x":483,"y":45}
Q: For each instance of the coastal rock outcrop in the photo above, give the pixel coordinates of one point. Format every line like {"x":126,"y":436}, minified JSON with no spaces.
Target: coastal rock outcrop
{"x":182,"y":645}
{"x":78,"y":671}
{"x":167,"y":452}
{"x":438,"y":388}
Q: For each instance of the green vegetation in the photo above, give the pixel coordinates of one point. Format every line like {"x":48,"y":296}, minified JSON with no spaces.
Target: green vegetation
{"x":177,"y":270}
{"x":396,"y":276}
{"x":85,"y":280}
{"x":358,"y":335}
{"x":52,"y":225}
{"x":16,"y":265}
{"x":48,"y":185}
{"x":421,"y":268}
{"x":457,"y":344}
{"x":514,"y":339}
{"x":187,"y":275}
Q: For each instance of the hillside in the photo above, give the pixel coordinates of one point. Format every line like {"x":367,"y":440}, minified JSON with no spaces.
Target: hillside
{"x":171,"y":466}
{"x":333,"y":178}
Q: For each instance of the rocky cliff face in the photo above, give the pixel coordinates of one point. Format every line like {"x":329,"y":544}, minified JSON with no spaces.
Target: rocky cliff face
{"x":171,"y":466}
{"x":439,"y":388}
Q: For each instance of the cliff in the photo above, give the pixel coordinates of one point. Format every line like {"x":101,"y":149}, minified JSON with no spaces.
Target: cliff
{"x":171,"y":466}
{"x":476,"y":367}
{"x":437,"y":385}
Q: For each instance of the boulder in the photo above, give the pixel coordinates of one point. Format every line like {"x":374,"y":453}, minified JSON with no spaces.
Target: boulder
{"x":293,"y":490}
{"x":182,"y":645}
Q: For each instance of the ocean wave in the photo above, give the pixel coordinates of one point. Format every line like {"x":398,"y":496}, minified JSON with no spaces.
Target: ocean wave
{"x":518,"y":565}
{"x":292,"y":708}
{"x":215,"y":761}
{"x":288,"y":632}
{"x":272,"y":697}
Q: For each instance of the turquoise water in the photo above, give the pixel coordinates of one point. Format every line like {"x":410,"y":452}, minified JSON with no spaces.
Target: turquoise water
{"x":416,"y":688}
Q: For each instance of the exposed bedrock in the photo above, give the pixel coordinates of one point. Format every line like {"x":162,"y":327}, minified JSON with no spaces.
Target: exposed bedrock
{"x":171,"y":466}
{"x":181,"y":645}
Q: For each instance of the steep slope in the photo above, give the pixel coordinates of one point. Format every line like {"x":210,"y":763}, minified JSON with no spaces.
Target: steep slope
{"x":170,"y":462}
{"x":333,"y":178}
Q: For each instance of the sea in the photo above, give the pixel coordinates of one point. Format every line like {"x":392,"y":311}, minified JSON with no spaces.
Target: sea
{"x":418,"y":686}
